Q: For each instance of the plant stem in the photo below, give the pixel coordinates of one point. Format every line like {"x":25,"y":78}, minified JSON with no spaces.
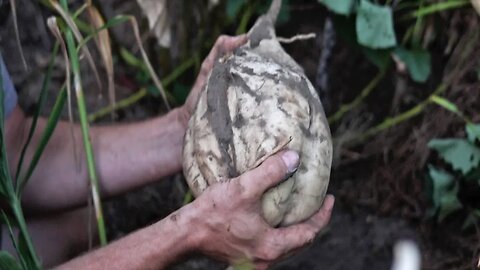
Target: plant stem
{"x":132,"y":99}
{"x":392,"y":121}
{"x":365,"y":92}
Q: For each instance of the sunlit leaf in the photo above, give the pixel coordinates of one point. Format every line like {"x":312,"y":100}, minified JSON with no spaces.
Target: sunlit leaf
{"x":374,"y":26}
{"x":445,"y":191}
{"x":418,"y":62}
{"x":343,"y":7}
{"x":460,"y":153}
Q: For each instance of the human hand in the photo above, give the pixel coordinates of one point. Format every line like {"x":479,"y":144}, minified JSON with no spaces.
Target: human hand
{"x":224,"y":44}
{"x":232,"y":226}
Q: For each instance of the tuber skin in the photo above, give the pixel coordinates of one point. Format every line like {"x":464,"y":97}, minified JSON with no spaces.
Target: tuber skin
{"x":258,"y":101}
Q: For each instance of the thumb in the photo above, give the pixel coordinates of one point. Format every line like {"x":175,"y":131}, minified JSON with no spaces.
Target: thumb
{"x":271,"y":172}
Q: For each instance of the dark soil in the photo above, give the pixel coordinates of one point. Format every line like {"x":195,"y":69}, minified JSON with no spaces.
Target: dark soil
{"x":379,"y":184}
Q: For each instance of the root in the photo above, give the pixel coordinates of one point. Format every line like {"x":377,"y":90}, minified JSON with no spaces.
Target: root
{"x":296,"y":38}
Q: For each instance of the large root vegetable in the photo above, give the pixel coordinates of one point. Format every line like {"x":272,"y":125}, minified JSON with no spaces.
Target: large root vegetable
{"x":257,"y":102}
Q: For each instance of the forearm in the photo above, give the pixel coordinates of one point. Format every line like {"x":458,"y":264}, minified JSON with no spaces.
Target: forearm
{"x":153,"y":247}
{"x":127,"y":156}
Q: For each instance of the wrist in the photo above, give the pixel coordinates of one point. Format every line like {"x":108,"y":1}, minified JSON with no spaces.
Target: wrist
{"x":191,"y":219}
{"x":179,"y":234}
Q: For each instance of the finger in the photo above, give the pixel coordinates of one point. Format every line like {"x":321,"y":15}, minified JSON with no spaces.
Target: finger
{"x":271,"y":172}
{"x":231,"y":43}
{"x":222,"y":45}
{"x":225,"y":44}
{"x":297,"y":236}
{"x":322,"y":217}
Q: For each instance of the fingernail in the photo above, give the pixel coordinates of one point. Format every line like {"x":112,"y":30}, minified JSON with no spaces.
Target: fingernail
{"x":291,"y":160}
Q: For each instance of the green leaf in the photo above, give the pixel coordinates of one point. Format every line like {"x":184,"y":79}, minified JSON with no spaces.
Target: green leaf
{"x":460,"y":153}
{"x":233,"y":7}
{"x":153,"y":91}
{"x":8,"y":262}
{"x":418,"y":62}
{"x":473,"y":132}
{"x":471,"y":219}
{"x":380,"y":58}
{"x":343,"y":7}
{"x":445,"y":191}
{"x":374,"y":26}
{"x":446,"y":104}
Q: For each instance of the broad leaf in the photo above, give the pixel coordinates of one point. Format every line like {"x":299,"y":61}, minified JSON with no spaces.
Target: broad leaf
{"x":460,"y":153}
{"x":473,"y":132}
{"x":8,"y":262}
{"x":380,"y":58}
{"x":444,"y":195}
{"x":343,"y":7}
{"x":418,"y":62}
{"x":374,"y":26}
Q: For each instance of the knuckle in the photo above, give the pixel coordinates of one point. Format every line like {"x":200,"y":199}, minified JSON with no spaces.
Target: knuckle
{"x":237,"y":188}
{"x":309,"y":236}
{"x":221,"y":39}
{"x":273,"y":168}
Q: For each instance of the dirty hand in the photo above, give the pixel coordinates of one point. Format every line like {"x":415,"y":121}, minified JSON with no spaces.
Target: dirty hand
{"x":224,"y":44}
{"x":232,"y":226}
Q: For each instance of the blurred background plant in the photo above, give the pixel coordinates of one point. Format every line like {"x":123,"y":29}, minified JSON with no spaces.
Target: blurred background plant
{"x":395,"y":77}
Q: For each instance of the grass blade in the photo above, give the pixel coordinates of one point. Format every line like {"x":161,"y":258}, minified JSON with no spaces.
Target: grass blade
{"x":438,"y":7}
{"x":53,"y":26}
{"x":152,"y":73}
{"x":77,"y":82}
{"x":8,"y":262}
{"x":6,"y":221}
{"x":78,"y":36}
{"x":47,"y":133}
{"x":104,"y":46}
{"x":17,"y":35}
{"x":40,"y":104}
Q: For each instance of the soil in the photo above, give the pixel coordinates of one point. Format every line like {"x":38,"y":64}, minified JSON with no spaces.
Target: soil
{"x":379,"y":184}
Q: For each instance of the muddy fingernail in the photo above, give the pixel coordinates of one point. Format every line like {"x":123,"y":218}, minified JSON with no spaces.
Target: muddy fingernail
{"x":291,"y":160}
